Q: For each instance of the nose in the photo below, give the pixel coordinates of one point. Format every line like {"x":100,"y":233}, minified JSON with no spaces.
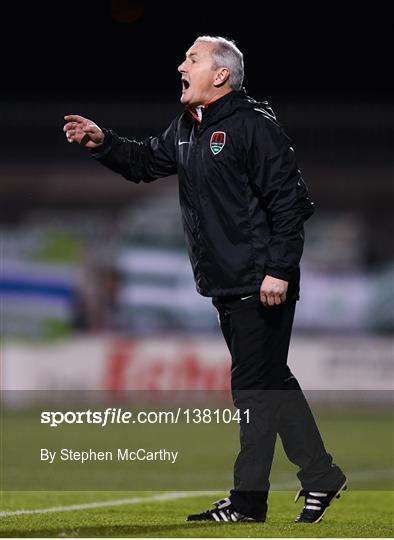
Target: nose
{"x":181,"y":67}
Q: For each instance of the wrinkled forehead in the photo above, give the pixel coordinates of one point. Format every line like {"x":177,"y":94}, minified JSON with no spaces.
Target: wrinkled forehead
{"x":200,"y":50}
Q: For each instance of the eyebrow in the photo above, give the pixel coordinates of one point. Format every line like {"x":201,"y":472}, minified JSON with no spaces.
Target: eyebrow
{"x":191,"y":54}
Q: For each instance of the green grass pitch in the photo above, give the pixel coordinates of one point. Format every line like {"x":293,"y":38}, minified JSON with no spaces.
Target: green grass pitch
{"x":357,"y":514}
{"x":361,"y":441}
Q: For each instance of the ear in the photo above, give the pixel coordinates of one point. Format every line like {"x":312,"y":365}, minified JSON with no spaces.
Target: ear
{"x":221,"y":77}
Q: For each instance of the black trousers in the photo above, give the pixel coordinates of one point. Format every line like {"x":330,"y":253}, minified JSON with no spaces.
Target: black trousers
{"x":261,"y":382}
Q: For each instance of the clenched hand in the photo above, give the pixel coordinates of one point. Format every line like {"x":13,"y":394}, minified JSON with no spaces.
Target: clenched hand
{"x":273,"y":291}
{"x":83,"y":131}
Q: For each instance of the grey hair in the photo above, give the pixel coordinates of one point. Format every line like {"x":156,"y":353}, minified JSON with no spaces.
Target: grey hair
{"x":226,"y":54}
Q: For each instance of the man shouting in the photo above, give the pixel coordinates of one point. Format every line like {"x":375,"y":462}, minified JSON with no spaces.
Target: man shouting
{"x":244,"y":204}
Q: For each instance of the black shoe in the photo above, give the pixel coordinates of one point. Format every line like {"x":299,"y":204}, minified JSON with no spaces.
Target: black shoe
{"x":223,"y":512}
{"x":316,"y":503}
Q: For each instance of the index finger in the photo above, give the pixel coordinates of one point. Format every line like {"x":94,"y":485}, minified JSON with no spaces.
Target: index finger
{"x":74,"y":118}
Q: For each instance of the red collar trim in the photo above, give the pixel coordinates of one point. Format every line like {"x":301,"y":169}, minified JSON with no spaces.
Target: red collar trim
{"x":193,"y":113}
{"x":205,"y":106}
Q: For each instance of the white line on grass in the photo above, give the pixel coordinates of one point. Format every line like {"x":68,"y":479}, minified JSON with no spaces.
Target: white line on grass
{"x":116,"y":502}
{"x":356,"y":475}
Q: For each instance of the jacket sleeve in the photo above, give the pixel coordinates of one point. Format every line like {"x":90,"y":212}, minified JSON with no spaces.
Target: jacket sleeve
{"x":139,"y":160}
{"x":282,"y":193}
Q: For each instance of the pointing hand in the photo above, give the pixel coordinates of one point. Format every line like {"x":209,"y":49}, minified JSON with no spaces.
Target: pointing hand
{"x":83,"y":131}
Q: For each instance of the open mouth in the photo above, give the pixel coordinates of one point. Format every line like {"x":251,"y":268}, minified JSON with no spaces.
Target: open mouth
{"x":185,"y":84}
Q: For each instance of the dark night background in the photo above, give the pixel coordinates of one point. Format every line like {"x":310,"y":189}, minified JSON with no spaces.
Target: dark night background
{"x":90,"y":47}
{"x":326,"y":72}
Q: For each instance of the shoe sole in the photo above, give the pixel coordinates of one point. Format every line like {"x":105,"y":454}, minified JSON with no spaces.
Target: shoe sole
{"x":336,"y":496}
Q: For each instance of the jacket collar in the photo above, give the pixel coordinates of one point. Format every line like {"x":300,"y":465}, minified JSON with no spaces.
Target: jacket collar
{"x":212,"y":109}
{"x":226,"y":105}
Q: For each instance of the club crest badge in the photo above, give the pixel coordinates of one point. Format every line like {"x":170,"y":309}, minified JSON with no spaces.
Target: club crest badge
{"x":218,"y":140}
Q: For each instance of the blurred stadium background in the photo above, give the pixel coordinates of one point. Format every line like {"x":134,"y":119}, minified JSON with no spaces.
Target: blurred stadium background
{"x":90,"y":260}
{"x":97,"y":291}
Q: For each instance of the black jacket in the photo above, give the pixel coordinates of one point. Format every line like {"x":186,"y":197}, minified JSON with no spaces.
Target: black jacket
{"x":241,"y":193}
